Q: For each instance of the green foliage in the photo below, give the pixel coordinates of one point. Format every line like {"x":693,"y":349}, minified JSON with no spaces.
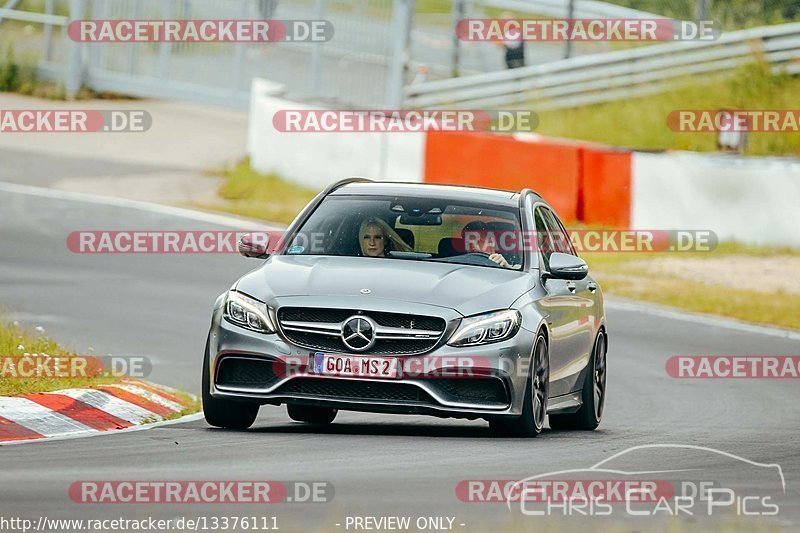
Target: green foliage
{"x":15,"y":76}
{"x":731,"y":14}
{"x":640,"y":123}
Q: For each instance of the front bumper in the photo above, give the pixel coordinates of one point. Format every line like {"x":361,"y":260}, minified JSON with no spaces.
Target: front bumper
{"x":471,"y":382}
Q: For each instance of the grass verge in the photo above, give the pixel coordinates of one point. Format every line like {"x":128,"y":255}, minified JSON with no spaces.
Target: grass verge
{"x":641,"y":123}
{"x":246,"y":192}
{"x":16,"y":342}
{"x":711,"y":287}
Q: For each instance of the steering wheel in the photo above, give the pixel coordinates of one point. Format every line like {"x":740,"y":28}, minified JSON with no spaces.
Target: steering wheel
{"x":482,"y":258}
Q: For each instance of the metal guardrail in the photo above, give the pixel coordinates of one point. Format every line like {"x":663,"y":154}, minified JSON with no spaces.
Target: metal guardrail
{"x":561,"y":8}
{"x":614,"y":75}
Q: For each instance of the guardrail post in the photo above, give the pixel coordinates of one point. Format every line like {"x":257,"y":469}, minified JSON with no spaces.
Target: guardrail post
{"x":402,"y":12}
{"x":74,"y":73}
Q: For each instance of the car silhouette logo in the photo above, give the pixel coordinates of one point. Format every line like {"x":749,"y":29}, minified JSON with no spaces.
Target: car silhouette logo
{"x":365,"y":291}
{"x":358,"y":333}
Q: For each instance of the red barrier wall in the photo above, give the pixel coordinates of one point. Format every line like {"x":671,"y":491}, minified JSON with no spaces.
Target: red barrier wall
{"x":583,"y":182}
{"x":503,"y":162}
{"x":606,"y":187}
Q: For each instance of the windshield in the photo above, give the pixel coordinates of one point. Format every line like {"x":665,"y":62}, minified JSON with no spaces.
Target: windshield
{"x":410,"y":229}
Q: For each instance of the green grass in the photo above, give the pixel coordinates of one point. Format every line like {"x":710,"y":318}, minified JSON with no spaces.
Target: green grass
{"x":16,"y":75}
{"x":626,"y":275}
{"x":16,"y":342}
{"x":248,"y":193}
{"x":12,"y":337}
{"x":731,"y":14}
{"x":641,"y":123}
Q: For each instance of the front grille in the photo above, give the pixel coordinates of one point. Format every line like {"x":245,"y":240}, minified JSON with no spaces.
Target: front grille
{"x":239,"y":372}
{"x":344,"y":389}
{"x":489,"y":391}
{"x":320,"y":329}
{"x":392,"y":320}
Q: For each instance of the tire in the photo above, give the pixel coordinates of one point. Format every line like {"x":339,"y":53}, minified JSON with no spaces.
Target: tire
{"x":593,"y":394}
{"x":226,"y":414}
{"x":311,"y":415}
{"x":534,"y":406}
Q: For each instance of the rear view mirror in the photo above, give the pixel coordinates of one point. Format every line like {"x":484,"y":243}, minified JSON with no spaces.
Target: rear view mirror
{"x":253,"y":246}
{"x":426,"y":219}
{"x":566,"y":266}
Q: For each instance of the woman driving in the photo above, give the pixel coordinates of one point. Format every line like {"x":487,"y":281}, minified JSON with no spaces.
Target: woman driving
{"x":376,"y":238}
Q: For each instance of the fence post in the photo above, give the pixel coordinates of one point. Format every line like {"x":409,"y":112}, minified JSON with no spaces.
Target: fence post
{"x":702,"y":9}
{"x":49,"y":9}
{"x":74,"y":73}
{"x":316,"y":53}
{"x":570,"y":15}
{"x":240,"y":50}
{"x":458,"y":14}
{"x":402,"y":12}
{"x":165,"y":48}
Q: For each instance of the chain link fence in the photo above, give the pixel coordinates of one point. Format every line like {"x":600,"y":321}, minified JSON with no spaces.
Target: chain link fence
{"x":371,"y":56}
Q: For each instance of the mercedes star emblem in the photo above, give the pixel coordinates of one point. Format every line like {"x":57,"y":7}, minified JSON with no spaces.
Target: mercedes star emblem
{"x":358,"y":333}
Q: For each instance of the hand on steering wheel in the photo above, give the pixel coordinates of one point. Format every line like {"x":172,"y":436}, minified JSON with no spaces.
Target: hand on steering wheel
{"x":500,"y":260}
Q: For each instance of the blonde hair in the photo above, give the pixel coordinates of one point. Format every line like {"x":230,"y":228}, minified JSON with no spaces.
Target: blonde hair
{"x":393,"y":241}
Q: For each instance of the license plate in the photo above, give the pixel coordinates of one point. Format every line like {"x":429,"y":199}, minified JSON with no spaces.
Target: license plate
{"x":355,"y":366}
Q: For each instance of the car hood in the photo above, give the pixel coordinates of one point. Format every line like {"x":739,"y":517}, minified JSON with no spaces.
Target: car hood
{"x":467,"y":289}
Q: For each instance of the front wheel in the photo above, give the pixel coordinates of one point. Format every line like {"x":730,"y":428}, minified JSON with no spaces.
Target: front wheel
{"x":226,"y":414}
{"x":593,"y":394}
{"x":534,"y":407}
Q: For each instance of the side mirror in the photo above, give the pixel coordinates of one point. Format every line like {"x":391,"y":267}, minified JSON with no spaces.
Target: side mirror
{"x":566,"y":266}
{"x":253,"y":246}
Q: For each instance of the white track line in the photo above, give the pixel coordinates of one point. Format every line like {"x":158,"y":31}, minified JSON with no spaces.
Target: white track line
{"x":698,"y":318}
{"x":135,"y":204}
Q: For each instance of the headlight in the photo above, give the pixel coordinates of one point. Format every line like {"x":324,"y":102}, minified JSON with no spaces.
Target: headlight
{"x":488,"y":328}
{"x":248,"y":313}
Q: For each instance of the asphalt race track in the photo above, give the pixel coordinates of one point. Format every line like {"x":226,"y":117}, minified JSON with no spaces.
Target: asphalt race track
{"x":159,"y":306}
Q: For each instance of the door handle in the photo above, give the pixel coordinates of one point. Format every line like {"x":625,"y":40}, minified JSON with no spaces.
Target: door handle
{"x":592,"y":286}
{"x":571,"y":286}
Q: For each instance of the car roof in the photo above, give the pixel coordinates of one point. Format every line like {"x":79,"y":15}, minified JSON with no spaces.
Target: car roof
{"x":429,"y":190}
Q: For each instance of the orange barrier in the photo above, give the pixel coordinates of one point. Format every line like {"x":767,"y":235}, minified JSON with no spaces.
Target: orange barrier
{"x":582,"y":181}
{"x":503,"y":162}
{"x":606,"y":187}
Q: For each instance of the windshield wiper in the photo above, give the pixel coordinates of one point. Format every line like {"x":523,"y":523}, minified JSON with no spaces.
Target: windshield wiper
{"x":419,"y":256}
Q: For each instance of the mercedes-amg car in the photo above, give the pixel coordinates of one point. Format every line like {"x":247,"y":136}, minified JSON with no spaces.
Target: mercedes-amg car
{"x":418,"y":299}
